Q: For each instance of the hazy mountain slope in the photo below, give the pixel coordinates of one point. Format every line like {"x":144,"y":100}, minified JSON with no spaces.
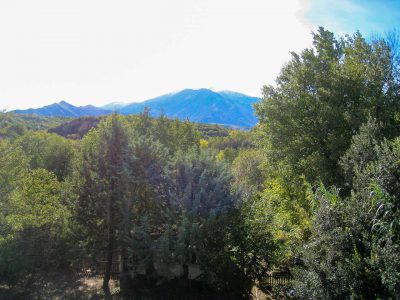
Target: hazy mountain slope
{"x":113,"y":106}
{"x":204,"y":106}
{"x":64,"y":109}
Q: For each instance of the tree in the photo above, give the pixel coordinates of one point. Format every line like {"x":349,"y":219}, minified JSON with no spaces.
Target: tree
{"x":174,"y":135}
{"x":103,"y":178}
{"x":144,"y":212}
{"x":10,"y":126}
{"x":13,"y":167}
{"x":120,"y":177}
{"x":321,"y":98}
{"x":354,"y":239}
{"x":363,"y":149}
{"x":48,"y":151}
{"x":33,"y":223}
{"x":203,"y":203}
{"x":247,"y":171}
{"x":13,"y":164}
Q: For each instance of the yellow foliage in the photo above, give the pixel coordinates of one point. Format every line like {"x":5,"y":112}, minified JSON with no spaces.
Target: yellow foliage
{"x":203,"y":144}
{"x":287,"y":201}
{"x":233,"y":132}
{"x":221,"y":155}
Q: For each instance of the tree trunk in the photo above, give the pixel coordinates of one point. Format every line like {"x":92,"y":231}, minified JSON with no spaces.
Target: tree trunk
{"x":107,"y":275}
{"x":124,"y":275}
{"x":185,"y":276}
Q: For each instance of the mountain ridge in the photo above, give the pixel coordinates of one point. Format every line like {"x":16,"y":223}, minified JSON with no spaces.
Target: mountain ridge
{"x":198,"y":105}
{"x":64,"y":109}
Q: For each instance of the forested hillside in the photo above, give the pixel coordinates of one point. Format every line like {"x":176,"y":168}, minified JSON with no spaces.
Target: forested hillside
{"x":161,"y":208}
{"x":13,"y":125}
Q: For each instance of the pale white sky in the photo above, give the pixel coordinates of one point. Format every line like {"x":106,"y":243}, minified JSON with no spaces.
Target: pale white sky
{"x":97,"y":51}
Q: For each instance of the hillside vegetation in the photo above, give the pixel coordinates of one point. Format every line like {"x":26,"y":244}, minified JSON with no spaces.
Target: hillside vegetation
{"x":162,"y":208}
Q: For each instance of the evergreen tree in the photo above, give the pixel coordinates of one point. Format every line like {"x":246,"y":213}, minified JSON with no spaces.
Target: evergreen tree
{"x":103,"y":181}
{"x":204,"y":202}
{"x":120,"y":183}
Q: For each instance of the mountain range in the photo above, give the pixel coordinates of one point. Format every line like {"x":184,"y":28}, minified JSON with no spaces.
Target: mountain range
{"x":202,"y":106}
{"x":64,"y":109}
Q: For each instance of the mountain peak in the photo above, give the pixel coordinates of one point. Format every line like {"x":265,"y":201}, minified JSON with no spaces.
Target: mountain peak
{"x":65,"y":104}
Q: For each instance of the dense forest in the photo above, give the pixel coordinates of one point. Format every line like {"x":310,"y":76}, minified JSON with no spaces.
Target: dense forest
{"x":171,"y":209}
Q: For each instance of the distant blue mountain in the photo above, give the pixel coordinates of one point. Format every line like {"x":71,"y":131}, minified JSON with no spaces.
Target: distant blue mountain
{"x":64,"y":109}
{"x":203,"y":106}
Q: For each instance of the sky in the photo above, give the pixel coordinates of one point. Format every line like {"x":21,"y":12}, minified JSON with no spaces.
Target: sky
{"x":102,"y":51}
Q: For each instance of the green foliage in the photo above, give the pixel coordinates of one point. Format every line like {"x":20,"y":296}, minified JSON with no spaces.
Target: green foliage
{"x":247,"y":171}
{"x":363,"y":149}
{"x":36,"y":202}
{"x":120,"y":185}
{"x":235,"y":140}
{"x":350,"y":254}
{"x":48,"y":151}
{"x":253,"y":247}
{"x":322,"y":97}
{"x":10,"y":127}
{"x":382,"y":178}
{"x":330,"y":255}
{"x":174,"y":135}
{"x":208,"y":130}
{"x":13,"y":169}
{"x":202,"y":185}
{"x":39,"y":123}
{"x":13,"y":125}
{"x":340,"y":259}
{"x":326,"y":121}
{"x":205,"y":205}
{"x":100,"y":171}
{"x":286,"y":201}
{"x":13,"y":164}
{"x":219,"y":257}
{"x":33,"y":220}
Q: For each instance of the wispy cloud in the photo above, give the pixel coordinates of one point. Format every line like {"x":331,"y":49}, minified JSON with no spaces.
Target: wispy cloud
{"x":347,"y":16}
